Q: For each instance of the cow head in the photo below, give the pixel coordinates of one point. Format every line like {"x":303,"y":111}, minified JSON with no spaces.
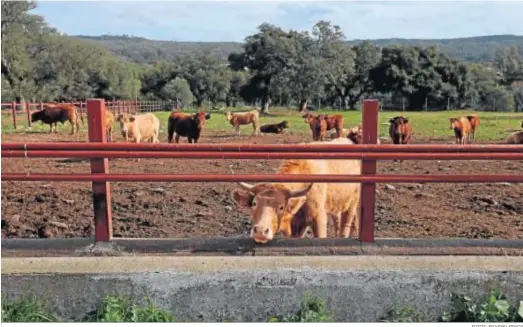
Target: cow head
{"x":454,"y":123}
{"x":396,"y":124}
{"x":228,"y":114}
{"x":271,"y":206}
{"x":284,"y":124}
{"x":200,"y":119}
{"x":125,"y":121}
{"x":355,"y":134}
{"x":36,"y":116}
{"x":307,"y":117}
{"x":319,"y":124}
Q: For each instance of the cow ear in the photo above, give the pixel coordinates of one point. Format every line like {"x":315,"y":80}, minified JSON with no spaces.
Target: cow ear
{"x":391,"y":120}
{"x":294,"y":204}
{"x":132,"y":118}
{"x":207,"y":116}
{"x":242,"y":198}
{"x":406,"y":120}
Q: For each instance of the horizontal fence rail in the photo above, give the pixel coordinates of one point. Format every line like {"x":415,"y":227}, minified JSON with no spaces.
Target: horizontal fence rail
{"x":297,"y":178}
{"x":217,"y":147}
{"x":98,"y":152}
{"x":259,"y":156}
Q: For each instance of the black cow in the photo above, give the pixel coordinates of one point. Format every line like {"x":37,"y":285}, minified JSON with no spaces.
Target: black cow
{"x":275,"y":128}
{"x":187,"y":126}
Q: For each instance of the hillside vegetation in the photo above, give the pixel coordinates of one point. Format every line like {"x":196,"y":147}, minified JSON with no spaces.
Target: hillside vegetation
{"x":141,"y":50}
{"x":273,"y":67}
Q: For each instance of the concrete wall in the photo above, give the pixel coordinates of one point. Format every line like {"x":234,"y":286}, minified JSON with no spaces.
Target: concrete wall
{"x":357,"y":288}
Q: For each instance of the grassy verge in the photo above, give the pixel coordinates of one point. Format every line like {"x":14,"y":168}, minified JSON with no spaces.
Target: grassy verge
{"x":493,"y":125}
{"x":494,"y":308}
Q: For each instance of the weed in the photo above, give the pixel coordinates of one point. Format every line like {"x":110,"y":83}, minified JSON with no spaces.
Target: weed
{"x":118,"y":308}
{"x":313,"y":309}
{"x":26,"y":308}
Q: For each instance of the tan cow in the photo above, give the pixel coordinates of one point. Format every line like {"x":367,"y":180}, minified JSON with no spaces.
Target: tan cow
{"x":237,"y":119}
{"x":515,"y":138}
{"x":273,"y":206}
{"x":144,"y":127}
{"x":462,"y":128}
{"x":109,"y":122}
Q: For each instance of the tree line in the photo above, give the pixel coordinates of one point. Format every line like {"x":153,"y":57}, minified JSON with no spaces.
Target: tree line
{"x":276,"y":67}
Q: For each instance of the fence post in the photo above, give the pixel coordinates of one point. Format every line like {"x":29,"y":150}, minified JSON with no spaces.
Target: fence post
{"x":28,"y":112}
{"x":13,"y":112}
{"x":368,"y":167}
{"x":103,"y":224}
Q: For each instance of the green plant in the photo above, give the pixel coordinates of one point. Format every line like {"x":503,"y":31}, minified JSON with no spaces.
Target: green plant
{"x":313,"y":309}
{"x":404,"y":314}
{"x":118,"y":308}
{"x":495,"y":309}
{"x":26,"y":308}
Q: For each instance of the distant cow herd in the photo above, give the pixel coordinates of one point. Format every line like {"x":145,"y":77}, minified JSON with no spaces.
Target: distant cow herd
{"x":286,"y":208}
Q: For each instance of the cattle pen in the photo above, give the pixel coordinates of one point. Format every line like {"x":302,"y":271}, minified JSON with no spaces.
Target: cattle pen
{"x":99,"y":151}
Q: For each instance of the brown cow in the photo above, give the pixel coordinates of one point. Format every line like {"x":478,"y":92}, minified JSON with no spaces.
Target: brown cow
{"x":318,"y":125}
{"x":462,"y":128}
{"x":109,"y":122}
{"x":54,"y":113}
{"x":515,"y":138}
{"x":244,"y":118}
{"x":522,"y":124}
{"x":144,"y":127}
{"x":274,"y":128}
{"x":332,"y":122}
{"x":273,"y":205}
{"x":400,"y":130}
{"x":189,"y":126}
{"x":474,"y":123}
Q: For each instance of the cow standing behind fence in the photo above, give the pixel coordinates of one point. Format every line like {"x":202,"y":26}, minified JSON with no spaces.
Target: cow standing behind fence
{"x":54,"y":113}
{"x":236,"y":119}
{"x":144,"y":127}
{"x":273,"y":205}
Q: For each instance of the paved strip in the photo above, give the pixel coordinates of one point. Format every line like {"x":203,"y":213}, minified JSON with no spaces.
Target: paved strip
{"x":79,"y":265}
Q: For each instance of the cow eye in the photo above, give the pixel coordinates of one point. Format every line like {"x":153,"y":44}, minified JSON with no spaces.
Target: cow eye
{"x":253,"y":203}
{"x":281,"y":208}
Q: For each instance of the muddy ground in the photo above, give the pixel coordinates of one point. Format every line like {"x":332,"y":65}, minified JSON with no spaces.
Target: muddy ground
{"x":58,"y":209}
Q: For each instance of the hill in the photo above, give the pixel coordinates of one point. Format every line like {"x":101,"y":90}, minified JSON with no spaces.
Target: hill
{"x":141,"y":50}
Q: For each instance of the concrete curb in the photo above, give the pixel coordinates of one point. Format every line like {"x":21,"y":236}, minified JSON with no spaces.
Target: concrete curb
{"x":245,"y":246}
{"x":361,"y":288}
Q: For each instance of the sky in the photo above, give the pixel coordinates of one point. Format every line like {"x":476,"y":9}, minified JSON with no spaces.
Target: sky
{"x":208,"y":21}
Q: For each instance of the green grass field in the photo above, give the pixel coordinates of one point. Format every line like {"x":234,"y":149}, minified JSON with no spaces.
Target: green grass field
{"x":494,"y":126}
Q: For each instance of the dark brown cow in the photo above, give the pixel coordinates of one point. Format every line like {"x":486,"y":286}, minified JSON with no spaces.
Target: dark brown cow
{"x":400,"y":130}
{"x":190,"y":126}
{"x":274,"y":128}
{"x":318,"y":125}
{"x":54,"y":113}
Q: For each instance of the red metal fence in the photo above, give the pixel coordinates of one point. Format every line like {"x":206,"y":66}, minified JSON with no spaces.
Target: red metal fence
{"x":99,"y":151}
{"x":18,"y":112}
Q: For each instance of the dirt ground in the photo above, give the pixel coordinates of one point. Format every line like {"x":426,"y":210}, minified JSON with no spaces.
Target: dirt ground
{"x":59,"y":209}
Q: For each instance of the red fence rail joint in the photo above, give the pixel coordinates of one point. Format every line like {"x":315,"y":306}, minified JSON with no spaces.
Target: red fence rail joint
{"x":100,"y":166}
{"x":98,"y":151}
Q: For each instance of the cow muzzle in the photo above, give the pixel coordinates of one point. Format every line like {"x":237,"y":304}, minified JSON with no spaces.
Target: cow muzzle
{"x":261,"y":234}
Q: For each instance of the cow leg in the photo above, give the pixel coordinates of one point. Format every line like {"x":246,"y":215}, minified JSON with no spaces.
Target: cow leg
{"x":350,"y":221}
{"x":177,"y":139}
{"x":72,"y":127}
{"x":319,"y":224}
{"x":238,"y":130}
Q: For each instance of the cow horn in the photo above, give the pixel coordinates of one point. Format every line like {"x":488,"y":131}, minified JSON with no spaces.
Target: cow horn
{"x":246,"y":186}
{"x":296,"y":194}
